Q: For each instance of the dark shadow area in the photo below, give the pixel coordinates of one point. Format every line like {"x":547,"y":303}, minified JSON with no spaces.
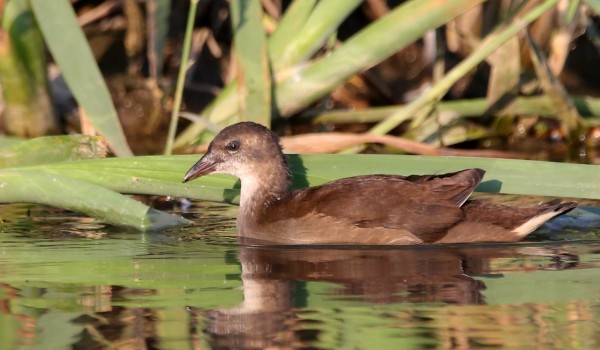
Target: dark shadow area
{"x":229,"y":194}
{"x":501,"y":103}
{"x":490,"y":186}
{"x":298,"y":171}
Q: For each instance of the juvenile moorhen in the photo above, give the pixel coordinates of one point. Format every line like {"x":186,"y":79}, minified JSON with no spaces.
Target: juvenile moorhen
{"x":368,"y":210}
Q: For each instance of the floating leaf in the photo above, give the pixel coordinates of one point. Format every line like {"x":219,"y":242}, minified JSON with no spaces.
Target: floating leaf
{"x":33,"y":185}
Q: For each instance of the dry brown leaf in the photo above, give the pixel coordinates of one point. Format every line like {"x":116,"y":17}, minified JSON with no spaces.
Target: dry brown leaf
{"x":333,"y":142}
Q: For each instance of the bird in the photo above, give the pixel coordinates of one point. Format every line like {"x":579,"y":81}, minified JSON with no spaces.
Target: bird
{"x":360,"y":210}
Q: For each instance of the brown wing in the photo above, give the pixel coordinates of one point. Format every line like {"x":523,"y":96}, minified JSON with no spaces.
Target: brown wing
{"x":424,"y":206}
{"x":461,"y":183}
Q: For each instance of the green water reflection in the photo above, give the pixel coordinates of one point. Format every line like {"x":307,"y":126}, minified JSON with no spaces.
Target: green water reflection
{"x":73,"y":283}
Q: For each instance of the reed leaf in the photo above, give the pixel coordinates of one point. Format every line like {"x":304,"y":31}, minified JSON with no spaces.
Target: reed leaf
{"x":289,"y":26}
{"x":33,"y":185}
{"x":23,"y":180}
{"x":402,"y":26}
{"x":303,"y":29}
{"x":300,"y":85}
{"x":162,"y":175}
{"x":539,"y":105}
{"x":88,"y":186}
{"x":72,"y":53}
{"x":566,"y":111}
{"x":254,"y":74}
{"x":594,"y":5}
{"x":187,"y":43}
{"x":323,"y":21}
{"x":491,"y":43}
{"x":51,"y":149}
{"x":27,"y":105}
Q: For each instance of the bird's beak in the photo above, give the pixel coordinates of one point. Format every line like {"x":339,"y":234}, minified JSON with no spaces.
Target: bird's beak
{"x":204,"y":166}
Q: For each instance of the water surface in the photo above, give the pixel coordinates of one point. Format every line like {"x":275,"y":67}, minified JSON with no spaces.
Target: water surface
{"x":71,"y":282}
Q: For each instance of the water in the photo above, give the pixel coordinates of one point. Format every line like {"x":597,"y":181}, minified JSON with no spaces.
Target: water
{"x":71,"y":282}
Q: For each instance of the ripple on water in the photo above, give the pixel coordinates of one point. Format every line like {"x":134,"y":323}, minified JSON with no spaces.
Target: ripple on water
{"x":75,"y":282}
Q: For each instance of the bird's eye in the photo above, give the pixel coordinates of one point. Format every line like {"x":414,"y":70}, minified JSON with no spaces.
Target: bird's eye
{"x":233,"y":146}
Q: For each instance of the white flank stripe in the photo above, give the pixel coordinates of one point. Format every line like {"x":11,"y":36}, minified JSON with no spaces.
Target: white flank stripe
{"x":533,"y":223}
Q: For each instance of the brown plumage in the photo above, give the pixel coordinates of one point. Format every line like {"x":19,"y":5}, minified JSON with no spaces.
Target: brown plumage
{"x":370,"y":209}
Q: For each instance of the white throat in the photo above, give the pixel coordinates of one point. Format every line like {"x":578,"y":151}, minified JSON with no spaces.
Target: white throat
{"x":250,"y":187}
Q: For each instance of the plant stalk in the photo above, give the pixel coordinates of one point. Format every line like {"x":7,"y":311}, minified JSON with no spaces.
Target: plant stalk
{"x":187,"y":43}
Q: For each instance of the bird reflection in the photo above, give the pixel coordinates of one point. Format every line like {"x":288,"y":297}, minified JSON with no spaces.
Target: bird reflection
{"x":273,"y":281}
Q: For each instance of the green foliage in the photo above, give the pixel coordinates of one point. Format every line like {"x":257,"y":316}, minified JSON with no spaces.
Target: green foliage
{"x":181,"y":76}
{"x":420,"y":108}
{"x":251,"y":53}
{"x":52,"y":149}
{"x":72,"y":53}
{"x":27,"y":110}
{"x":301,"y":80}
{"x":162,"y":175}
{"x":302,"y":75}
{"x":66,"y":172}
{"x":23,"y":179}
{"x":32,"y":185}
{"x":587,"y":107}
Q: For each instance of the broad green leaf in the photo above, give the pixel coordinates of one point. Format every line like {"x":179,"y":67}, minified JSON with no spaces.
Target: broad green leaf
{"x":162,"y":175}
{"x":508,"y":176}
{"x":158,"y":175}
{"x":72,"y":53}
{"x":84,"y":185}
{"x":52,"y":149}
{"x":254,"y":76}
{"x":32,"y":185}
{"x":6,"y":141}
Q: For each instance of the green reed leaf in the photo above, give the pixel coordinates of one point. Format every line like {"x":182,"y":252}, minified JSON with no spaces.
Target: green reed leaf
{"x":70,"y":50}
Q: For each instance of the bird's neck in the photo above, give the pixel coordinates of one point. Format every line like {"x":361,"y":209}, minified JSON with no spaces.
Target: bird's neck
{"x":260,"y":190}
